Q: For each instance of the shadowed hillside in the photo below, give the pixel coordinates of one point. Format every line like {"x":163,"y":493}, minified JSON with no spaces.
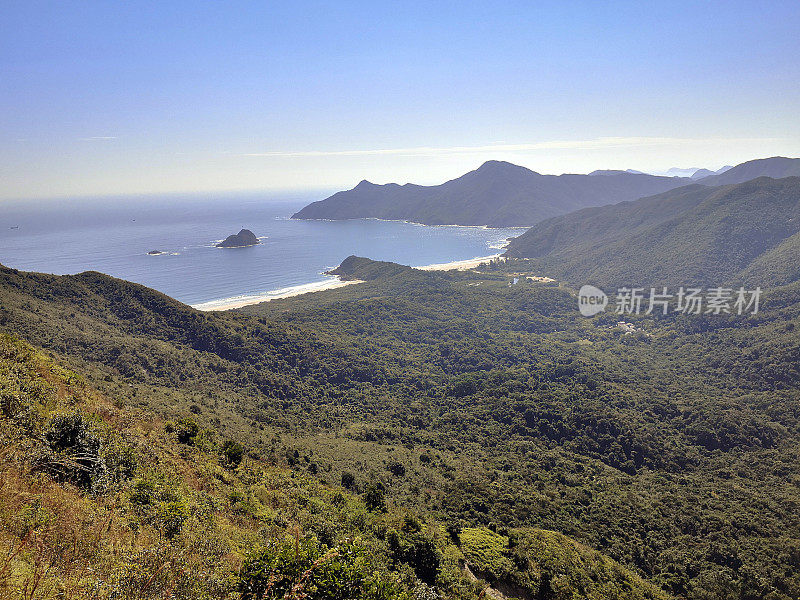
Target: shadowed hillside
{"x":776,"y":167}
{"x":500,"y":194}
{"x":497,"y":194}
{"x":736,"y":234}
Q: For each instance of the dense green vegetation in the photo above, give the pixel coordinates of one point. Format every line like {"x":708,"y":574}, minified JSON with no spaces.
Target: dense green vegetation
{"x":740,"y":234}
{"x":487,"y":407}
{"x":100,"y":501}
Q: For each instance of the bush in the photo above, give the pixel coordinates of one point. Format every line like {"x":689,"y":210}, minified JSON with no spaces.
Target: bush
{"x":121,"y":462}
{"x":454,"y":531}
{"x":396,"y":468}
{"x":186,"y":430}
{"x":411,"y":524}
{"x":170,"y":516}
{"x":418,"y":551}
{"x":73,"y":451}
{"x":487,"y":552}
{"x":232,"y":452}
{"x":425,"y":558}
{"x":374,"y":498}
{"x":160,"y":503}
{"x":303,"y":568}
{"x":348,"y":480}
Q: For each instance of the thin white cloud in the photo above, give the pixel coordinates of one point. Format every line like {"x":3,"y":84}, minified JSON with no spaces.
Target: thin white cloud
{"x":100,"y":138}
{"x":594,"y":144}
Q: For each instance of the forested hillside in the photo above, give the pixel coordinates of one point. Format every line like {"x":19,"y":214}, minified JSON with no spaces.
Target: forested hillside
{"x":728,"y":235}
{"x":103,"y":501}
{"x":483,"y":405}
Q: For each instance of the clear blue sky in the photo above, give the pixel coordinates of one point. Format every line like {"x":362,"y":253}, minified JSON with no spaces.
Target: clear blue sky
{"x":113,"y":97}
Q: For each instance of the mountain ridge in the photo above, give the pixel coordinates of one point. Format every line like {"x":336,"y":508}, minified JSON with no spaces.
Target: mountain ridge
{"x":496,"y":194}
{"x":776,"y":167}
{"x":502,"y":194}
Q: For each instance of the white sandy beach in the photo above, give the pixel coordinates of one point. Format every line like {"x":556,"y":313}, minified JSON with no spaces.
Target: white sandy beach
{"x":328,"y":284}
{"x":287,"y":292}
{"x":459,"y":265}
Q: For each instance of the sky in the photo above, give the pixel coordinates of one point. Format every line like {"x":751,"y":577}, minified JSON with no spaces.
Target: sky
{"x":100,"y":98}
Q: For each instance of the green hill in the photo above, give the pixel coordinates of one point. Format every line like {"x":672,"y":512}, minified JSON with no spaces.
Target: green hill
{"x":732,"y":234}
{"x":355,"y":268}
{"x":457,"y":401}
{"x":107,"y":502}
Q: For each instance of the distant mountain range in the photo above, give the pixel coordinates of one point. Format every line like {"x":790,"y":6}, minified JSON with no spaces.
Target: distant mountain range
{"x":744,"y":233}
{"x":695,"y":172}
{"x":500,"y":194}
{"x":497,"y":194}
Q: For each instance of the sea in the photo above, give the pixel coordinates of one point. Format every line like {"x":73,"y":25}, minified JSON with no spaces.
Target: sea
{"x":114,"y":236}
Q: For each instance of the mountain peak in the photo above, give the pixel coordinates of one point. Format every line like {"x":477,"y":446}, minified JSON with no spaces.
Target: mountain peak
{"x":607,"y":172}
{"x":501,"y":166}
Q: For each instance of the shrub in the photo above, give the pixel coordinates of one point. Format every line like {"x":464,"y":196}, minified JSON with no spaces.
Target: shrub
{"x":425,"y":558}
{"x":411,"y":524}
{"x":170,"y":516}
{"x":232,"y":452}
{"x":374,"y":498}
{"x":417,"y":550}
{"x":121,"y":462}
{"x":486,"y":551}
{"x":73,"y":451}
{"x":395,"y":467}
{"x":301,"y":568}
{"x":348,"y":480}
{"x":454,"y":531}
{"x":160,"y":503}
{"x":186,"y":430}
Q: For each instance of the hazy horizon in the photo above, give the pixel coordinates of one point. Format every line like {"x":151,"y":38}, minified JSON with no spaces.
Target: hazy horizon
{"x":179,"y":98}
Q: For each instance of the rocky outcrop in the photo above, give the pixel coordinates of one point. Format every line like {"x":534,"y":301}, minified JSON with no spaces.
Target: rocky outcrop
{"x":244,"y":238}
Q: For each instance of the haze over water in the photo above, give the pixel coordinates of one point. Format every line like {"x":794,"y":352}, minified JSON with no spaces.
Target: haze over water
{"x":114,"y":235}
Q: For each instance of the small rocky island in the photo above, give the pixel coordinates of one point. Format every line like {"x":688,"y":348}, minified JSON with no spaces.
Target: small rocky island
{"x":155,"y":252}
{"x":244,"y":238}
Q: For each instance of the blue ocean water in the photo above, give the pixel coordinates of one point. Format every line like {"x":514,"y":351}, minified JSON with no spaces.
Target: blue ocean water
{"x":114,"y":235}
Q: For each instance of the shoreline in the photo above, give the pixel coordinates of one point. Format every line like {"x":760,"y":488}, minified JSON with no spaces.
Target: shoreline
{"x":280,"y":293}
{"x":331,"y":283}
{"x":418,"y":224}
{"x":460,"y":265}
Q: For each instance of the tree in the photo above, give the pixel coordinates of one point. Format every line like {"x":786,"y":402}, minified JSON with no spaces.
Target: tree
{"x":233,"y":452}
{"x":396,"y":468}
{"x":348,"y":480}
{"x":374,"y":498}
{"x":186,"y":430}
